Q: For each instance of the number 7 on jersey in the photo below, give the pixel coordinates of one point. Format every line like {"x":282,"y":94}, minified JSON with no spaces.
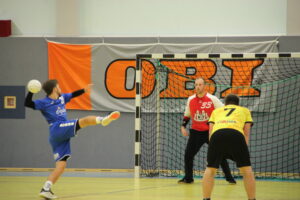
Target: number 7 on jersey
{"x":230,"y":111}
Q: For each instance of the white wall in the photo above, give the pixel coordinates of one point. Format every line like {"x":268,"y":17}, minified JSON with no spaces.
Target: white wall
{"x":150,"y":18}
{"x":183,"y":17}
{"x":293,"y":17}
{"x":30,"y":17}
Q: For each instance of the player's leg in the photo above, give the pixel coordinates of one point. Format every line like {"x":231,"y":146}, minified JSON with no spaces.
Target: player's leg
{"x":89,"y":121}
{"x":249,"y":181}
{"x":60,"y":134}
{"x":215,"y":155}
{"x":94,"y":120}
{"x":58,"y":171}
{"x":208,"y":182}
{"x":46,"y":191}
{"x":240,"y":153}
{"x":195,"y":141}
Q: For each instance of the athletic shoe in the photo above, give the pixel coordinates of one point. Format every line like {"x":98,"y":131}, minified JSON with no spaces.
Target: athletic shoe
{"x":109,"y":118}
{"x":231,"y":180}
{"x":47,"y":194}
{"x":186,"y":181}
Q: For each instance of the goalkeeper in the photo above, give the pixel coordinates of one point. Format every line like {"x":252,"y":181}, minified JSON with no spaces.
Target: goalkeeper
{"x":199,"y":108}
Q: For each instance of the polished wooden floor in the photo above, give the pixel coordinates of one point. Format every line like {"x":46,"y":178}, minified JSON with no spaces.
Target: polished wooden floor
{"x":112,"y":188}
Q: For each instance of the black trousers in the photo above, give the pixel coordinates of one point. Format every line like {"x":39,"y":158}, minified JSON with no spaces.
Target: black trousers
{"x":195,"y":142}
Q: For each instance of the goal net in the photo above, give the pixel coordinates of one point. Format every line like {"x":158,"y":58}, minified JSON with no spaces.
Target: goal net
{"x":268,"y":84}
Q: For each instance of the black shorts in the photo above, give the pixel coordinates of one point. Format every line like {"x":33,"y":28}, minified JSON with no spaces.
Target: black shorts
{"x":228,"y":144}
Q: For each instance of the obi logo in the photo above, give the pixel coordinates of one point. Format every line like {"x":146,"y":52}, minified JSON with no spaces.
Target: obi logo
{"x":120,"y":77}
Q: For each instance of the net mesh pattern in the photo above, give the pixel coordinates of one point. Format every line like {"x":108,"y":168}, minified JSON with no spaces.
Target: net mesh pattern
{"x":269,"y":87}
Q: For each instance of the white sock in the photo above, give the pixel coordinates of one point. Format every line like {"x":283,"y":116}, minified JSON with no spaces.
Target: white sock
{"x":99,"y":120}
{"x":47,"y":185}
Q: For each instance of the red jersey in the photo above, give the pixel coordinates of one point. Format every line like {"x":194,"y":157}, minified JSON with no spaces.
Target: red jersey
{"x":200,"y":109}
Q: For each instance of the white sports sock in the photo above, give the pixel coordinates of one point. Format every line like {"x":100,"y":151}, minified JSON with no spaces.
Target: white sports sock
{"x":47,"y":185}
{"x":99,"y":120}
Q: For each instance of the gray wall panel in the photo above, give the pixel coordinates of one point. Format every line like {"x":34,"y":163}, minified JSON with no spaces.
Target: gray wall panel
{"x":24,"y":142}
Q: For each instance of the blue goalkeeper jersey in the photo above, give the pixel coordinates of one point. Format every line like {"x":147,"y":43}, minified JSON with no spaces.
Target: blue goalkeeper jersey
{"x":54,"y":110}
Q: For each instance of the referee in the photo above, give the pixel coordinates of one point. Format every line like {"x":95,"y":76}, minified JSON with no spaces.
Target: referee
{"x":229,"y":129}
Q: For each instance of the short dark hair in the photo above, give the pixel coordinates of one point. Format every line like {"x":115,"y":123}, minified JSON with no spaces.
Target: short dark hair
{"x":49,"y":85}
{"x":232,"y":99}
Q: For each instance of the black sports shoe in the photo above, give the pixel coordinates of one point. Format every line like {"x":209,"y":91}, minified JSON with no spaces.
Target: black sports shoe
{"x":186,"y":181}
{"x":231,"y":180}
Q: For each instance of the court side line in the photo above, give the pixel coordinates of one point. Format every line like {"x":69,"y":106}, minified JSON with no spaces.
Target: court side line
{"x":116,"y":192}
{"x":9,"y":169}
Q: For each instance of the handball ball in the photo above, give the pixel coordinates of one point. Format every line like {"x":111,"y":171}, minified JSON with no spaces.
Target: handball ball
{"x":34,"y":86}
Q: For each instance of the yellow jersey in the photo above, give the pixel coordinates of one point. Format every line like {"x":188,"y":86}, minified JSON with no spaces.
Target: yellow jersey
{"x":230,"y":116}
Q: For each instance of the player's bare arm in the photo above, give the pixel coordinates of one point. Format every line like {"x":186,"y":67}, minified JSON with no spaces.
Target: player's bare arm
{"x":211,"y":126}
{"x":247,"y":128}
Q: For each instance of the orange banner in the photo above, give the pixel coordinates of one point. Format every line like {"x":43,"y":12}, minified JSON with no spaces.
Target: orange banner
{"x":71,"y":66}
